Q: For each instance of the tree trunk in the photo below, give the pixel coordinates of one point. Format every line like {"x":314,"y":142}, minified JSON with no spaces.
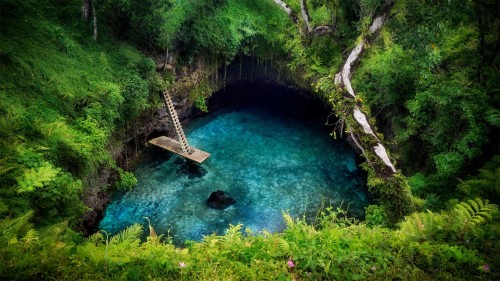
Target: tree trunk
{"x":287,"y":9}
{"x":317,"y":30}
{"x":384,"y":167}
{"x":88,"y":11}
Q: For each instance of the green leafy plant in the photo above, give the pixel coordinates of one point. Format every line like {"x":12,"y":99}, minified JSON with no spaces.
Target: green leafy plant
{"x":473,"y":212}
{"x":127,"y":181}
{"x":376,"y":216}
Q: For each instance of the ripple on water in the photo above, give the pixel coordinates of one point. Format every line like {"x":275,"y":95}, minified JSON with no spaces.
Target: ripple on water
{"x":269,"y":162}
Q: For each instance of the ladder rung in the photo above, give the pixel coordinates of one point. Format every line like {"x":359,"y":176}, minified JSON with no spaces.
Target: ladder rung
{"x":177,"y":124}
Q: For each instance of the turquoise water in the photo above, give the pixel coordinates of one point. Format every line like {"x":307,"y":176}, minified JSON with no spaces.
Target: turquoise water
{"x":265,"y":154}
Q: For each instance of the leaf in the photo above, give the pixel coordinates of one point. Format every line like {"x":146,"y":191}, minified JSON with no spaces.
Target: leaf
{"x":284,"y":246}
{"x":11,"y":228}
{"x":327,"y":266}
{"x":30,"y":239}
{"x":493,"y":117}
{"x":288,"y":219}
{"x":128,"y":236}
{"x":473,"y":212}
{"x":234,"y":231}
{"x":357,"y":277}
{"x":37,"y":177}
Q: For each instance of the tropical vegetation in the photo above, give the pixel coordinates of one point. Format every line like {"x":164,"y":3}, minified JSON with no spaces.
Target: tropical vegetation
{"x":76,"y":76}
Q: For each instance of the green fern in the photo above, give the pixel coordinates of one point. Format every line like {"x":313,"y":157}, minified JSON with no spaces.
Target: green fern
{"x":11,"y":228}
{"x":233,"y":233}
{"x":493,"y":117}
{"x":30,"y":239}
{"x":486,"y":184}
{"x":6,"y":166}
{"x":128,"y":236}
{"x":473,"y":212}
{"x":211,"y":241}
{"x":37,"y":177}
{"x":288,"y":220}
{"x":95,"y":238}
{"x":422,"y":225}
{"x":284,"y":246}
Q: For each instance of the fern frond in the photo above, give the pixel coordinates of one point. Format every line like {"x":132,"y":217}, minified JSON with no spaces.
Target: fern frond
{"x":233,"y":232}
{"x":11,"y":228}
{"x":469,"y":210}
{"x":128,"y":236}
{"x":284,"y":246}
{"x":211,"y":240}
{"x":288,"y":219}
{"x":473,"y":212}
{"x":422,"y":225}
{"x":94,"y":238}
{"x":30,"y":239}
{"x":475,"y":205}
{"x":266,"y":233}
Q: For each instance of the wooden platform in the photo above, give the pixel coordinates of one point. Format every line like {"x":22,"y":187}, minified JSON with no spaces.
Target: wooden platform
{"x":175,"y":147}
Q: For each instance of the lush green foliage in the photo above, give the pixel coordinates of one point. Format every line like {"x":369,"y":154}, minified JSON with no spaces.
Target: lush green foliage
{"x":430,"y":79}
{"x":425,"y":246}
{"x":62,"y":98}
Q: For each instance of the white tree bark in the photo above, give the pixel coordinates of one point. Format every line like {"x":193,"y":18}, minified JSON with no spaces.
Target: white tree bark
{"x":343,"y":80}
{"x":284,"y":7}
{"x":305,"y":15}
{"x":343,"y":77}
{"x":360,"y":117}
{"x":382,"y":154}
{"x":317,"y":30}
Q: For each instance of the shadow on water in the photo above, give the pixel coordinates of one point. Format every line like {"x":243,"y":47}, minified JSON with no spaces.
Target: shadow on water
{"x":270,"y":151}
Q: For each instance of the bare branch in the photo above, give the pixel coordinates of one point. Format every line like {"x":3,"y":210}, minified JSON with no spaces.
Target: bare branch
{"x":287,"y":9}
{"x":362,"y":149}
{"x":305,"y":14}
{"x":343,"y":80}
{"x":321,"y":30}
{"x":317,"y":30}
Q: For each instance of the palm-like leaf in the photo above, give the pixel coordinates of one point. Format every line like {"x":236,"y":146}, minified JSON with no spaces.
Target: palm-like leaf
{"x":30,"y":239}
{"x":233,"y":232}
{"x":11,"y":228}
{"x":473,"y":212}
{"x":128,"y":236}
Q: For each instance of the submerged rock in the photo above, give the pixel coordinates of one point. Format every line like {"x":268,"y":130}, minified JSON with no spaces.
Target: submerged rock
{"x":220,"y":200}
{"x":190,"y":168}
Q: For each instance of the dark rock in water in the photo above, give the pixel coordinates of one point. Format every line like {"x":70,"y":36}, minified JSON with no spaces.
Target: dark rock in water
{"x":191,"y":169}
{"x":220,"y":200}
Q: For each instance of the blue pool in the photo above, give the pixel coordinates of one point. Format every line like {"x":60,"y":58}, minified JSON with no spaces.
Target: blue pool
{"x":271,"y":154}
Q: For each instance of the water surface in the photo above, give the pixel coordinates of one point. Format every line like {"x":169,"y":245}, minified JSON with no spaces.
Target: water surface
{"x":271,"y":154}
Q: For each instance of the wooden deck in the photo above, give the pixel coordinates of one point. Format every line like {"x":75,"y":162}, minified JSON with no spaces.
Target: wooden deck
{"x":175,"y":147}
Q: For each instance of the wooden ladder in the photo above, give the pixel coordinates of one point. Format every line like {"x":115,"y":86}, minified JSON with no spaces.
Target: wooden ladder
{"x":177,"y":124}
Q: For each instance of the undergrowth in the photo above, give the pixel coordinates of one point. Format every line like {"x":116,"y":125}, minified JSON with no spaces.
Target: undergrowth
{"x":425,"y":246}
